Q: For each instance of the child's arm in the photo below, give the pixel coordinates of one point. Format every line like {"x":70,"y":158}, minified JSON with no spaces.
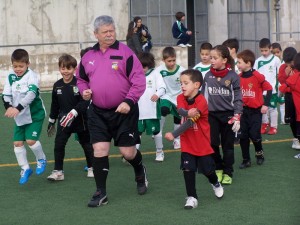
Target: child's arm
{"x":160,"y":85}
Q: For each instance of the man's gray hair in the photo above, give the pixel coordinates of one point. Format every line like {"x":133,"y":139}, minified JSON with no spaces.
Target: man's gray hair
{"x":103,"y":20}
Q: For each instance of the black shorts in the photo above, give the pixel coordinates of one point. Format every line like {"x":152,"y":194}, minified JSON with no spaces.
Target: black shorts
{"x":201,"y":164}
{"x":106,"y":124}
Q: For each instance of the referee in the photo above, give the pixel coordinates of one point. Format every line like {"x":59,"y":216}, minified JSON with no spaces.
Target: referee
{"x":111,"y":75}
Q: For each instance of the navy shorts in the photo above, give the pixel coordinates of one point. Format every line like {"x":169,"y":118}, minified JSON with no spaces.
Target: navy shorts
{"x":201,"y":164}
{"x":106,"y":124}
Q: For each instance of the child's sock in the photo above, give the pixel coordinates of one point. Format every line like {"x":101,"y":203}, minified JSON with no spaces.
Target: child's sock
{"x":21,"y":156}
{"x":38,"y":150}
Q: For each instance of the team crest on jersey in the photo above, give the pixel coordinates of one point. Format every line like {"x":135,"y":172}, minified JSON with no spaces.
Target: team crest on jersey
{"x":114,"y":65}
{"x":227,"y":83}
{"x":75,"y":89}
{"x":250,"y":85}
{"x":59,"y":92}
{"x":18,"y":87}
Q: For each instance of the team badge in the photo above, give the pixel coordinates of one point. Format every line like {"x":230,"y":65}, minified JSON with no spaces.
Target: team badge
{"x":75,"y":89}
{"x":115,"y":66}
{"x":250,"y":85}
{"x":227,"y":83}
{"x":59,"y":92}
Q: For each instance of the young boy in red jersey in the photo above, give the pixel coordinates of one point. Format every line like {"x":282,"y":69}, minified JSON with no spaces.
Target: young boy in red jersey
{"x":252,"y":85}
{"x":193,"y":108}
{"x":293,"y":85}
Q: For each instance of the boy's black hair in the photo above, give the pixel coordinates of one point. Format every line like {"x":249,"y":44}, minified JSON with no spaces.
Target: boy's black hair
{"x":147,"y":59}
{"x":20,"y":55}
{"x":68,"y":61}
{"x":276,"y":45}
{"x":206,"y":46}
{"x":179,"y":15}
{"x":289,"y":54}
{"x":195,"y":75}
{"x":136,"y":19}
{"x":265,"y":43}
{"x":168,"y":52}
{"x":83,"y":51}
{"x":247,"y":56}
{"x":297,"y":61}
{"x":232,"y":43}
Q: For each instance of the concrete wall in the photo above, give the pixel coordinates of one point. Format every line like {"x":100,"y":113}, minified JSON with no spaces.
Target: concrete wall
{"x":47,"y":28}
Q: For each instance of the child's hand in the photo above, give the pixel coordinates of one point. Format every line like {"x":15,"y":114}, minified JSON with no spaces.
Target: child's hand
{"x":264,"y":109}
{"x":87,"y":94}
{"x":193,"y":112}
{"x":289,"y":71}
{"x":11,"y":112}
{"x":169,"y":136}
{"x":154,"y":98}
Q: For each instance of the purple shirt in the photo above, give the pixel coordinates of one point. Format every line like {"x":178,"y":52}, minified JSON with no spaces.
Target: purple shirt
{"x":114,"y":76}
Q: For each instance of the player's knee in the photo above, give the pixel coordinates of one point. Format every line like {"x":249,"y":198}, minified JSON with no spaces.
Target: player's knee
{"x":30,"y":142}
{"x":165,"y":111}
{"x":18,"y":143}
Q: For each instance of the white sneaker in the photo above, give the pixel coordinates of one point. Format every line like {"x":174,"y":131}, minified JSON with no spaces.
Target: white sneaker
{"x":191,"y":203}
{"x":56,"y":175}
{"x":182,"y":45}
{"x":188,"y":45}
{"x":160,"y":156}
{"x":297,"y":156}
{"x":296,"y":144}
{"x":218,"y":189}
{"x":176,"y":144}
{"x":90,"y":172}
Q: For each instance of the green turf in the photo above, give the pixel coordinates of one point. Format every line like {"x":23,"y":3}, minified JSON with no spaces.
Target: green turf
{"x":260,"y":195}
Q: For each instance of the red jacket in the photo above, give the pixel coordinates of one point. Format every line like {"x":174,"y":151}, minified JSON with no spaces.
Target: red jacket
{"x":293,"y":85}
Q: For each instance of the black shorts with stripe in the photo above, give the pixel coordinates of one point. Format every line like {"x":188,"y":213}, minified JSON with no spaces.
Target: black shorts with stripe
{"x":106,"y":124}
{"x":201,"y":164}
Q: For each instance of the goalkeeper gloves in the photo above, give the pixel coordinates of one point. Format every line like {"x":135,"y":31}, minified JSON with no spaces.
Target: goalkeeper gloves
{"x":67,"y":120}
{"x":51,"y":127}
{"x":235,"y":120}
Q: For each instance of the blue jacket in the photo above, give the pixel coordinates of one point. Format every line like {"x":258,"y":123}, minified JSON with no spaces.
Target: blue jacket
{"x":177,"y":33}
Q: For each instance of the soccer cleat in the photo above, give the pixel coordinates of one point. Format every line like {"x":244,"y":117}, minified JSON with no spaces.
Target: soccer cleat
{"x":260,"y":157}
{"x":98,"y":199}
{"x":191,"y":203}
{"x":297,"y":156}
{"x":226,"y":179}
{"x":182,"y":45}
{"x":218,"y":189}
{"x":219,"y":175}
{"x":296,"y":144}
{"x":142,"y":182}
{"x":188,"y":45}
{"x":40,"y":166}
{"x":245,"y":164}
{"x":25,"y":174}
{"x":160,"y":156}
{"x":176,"y":144}
{"x":90,"y":172}
{"x":272,"y":131}
{"x":264,"y":128}
{"x":56,"y":175}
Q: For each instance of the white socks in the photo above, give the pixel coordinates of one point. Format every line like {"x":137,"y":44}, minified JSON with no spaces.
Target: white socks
{"x":38,"y":151}
{"x":21,"y":156}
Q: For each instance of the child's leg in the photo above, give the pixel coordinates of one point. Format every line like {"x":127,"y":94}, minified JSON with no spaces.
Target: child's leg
{"x":184,"y":39}
{"x":190,"y":183}
{"x":37,"y":149}
{"x":84,"y":140}
{"x":21,"y":156}
{"x":273,"y":117}
{"x":282,"y":113}
{"x":176,"y":125}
